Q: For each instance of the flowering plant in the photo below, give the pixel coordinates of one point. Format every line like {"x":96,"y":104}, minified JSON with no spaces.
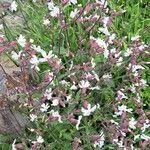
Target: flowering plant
{"x":83,"y":84}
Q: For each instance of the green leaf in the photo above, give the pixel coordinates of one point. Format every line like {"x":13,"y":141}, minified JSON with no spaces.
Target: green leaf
{"x":72,"y":39}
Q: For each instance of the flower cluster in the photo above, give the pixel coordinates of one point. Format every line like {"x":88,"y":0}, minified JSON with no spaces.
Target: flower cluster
{"x":82,"y":85}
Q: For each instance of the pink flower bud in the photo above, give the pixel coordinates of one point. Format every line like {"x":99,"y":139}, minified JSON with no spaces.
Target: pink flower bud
{"x":13,"y":43}
{"x":85,"y":104}
{"x":61,"y":103}
{"x":2,"y":49}
{"x":64,"y":2}
{"x":2,"y":40}
{"x":72,"y":120}
{"x":95,"y":138}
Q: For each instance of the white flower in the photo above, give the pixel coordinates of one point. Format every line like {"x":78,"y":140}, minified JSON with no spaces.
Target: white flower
{"x":55,"y":12}
{"x":107,"y":77}
{"x":100,"y":42}
{"x":88,"y":75}
{"x":111,"y":38}
{"x":40,"y":139}
{"x":143,"y":82}
{"x":31,"y":41}
{"x":59,"y":61}
{"x":68,"y":97}
{"x":48,"y":93}
{"x":73,"y":87}
{"x":2,"y":35}
{"x":95,"y":75}
{"x":123,"y":108}
{"x":95,"y":88}
{"x":136,"y":74}
{"x":71,"y":65}
{"x":137,"y":67}
{"x":121,"y":95}
{"x":13,"y":6}
{"x":57,"y":115}
{"x":44,"y":107}
{"x":102,"y":2}
{"x":15,"y":56}
{"x":138,"y":98}
{"x":100,"y":142}
{"x":104,"y":30}
{"x":135,"y":38}
{"x":120,"y":144}
{"x":21,"y":40}
{"x":117,"y":55}
{"x":119,"y":61}
{"x":46,"y":56}
{"x":106,"y":53}
{"x":31,"y":129}
{"x":35,"y":62}
{"x":142,"y":47}
{"x":105,"y":21}
{"x":113,"y":50}
{"x":98,"y":106}
{"x":72,"y":74}
{"x":38,"y":49}
{"x":78,"y":122}
{"x":1,"y":26}
{"x":146,"y":125}
{"x":88,"y":111}
{"x":132,"y":123}
{"x":93,"y":63}
{"x":123,"y":11}
{"x":13,"y":145}
{"x":32,"y":117}
{"x":145,"y":137}
{"x":50,"y":76}
{"x":46,"y":22}
{"x":74,"y":13}
{"x":132,"y":88}
{"x":34,"y":1}
{"x":84,"y":84}
{"x":73,"y":1}
{"x":123,"y":133}
{"x":50,"y":5}
{"x":55,"y":102}
{"x":113,"y":121}
{"x":63,"y":82}
{"x":128,"y":52}
{"x":136,"y":136}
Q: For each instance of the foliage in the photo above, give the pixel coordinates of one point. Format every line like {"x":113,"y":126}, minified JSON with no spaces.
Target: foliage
{"x":85,"y":73}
